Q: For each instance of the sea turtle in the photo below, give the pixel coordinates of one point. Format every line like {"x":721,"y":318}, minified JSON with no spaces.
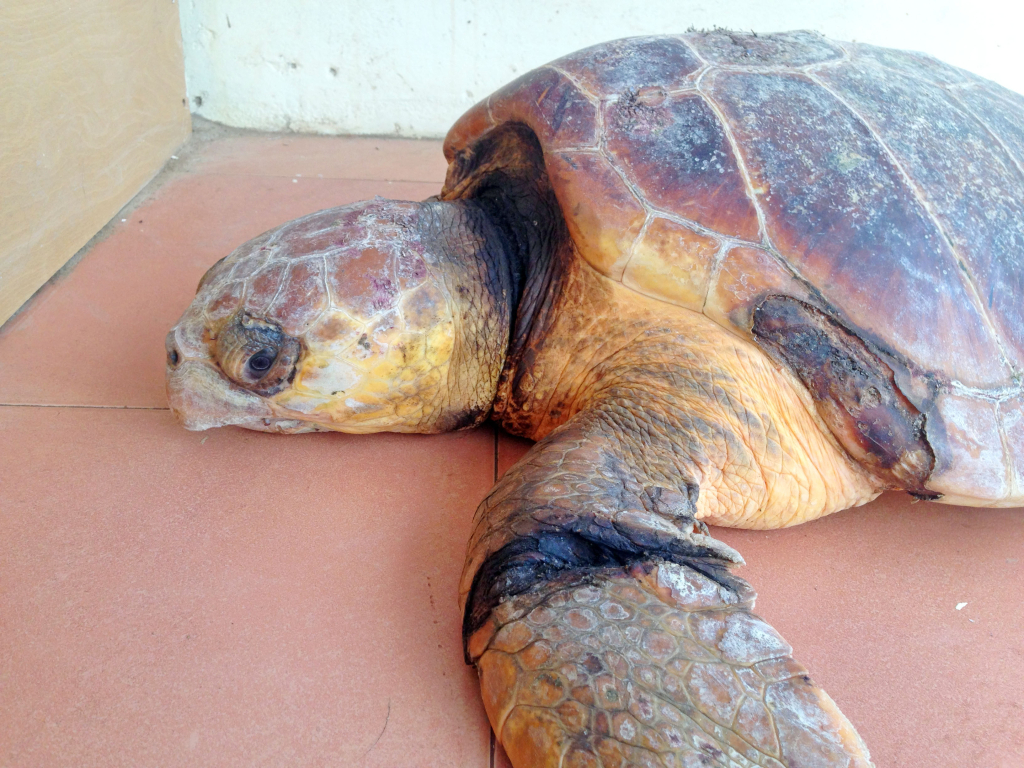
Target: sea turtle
{"x":720,"y":278}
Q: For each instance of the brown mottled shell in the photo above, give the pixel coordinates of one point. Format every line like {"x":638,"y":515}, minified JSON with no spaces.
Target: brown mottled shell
{"x":710,"y":170}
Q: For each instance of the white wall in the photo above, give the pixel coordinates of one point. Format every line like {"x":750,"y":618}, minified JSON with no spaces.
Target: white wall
{"x":411,"y":67}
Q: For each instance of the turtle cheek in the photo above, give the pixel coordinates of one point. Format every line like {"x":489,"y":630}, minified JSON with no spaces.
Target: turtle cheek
{"x":200,"y":398}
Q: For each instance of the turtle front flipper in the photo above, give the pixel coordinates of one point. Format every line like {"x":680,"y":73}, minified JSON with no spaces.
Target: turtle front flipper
{"x":607,"y":629}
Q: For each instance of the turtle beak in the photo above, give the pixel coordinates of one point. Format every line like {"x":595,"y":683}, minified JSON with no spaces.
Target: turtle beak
{"x":201,"y":398}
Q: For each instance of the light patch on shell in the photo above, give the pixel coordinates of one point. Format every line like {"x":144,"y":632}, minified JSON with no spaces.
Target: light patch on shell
{"x":973,"y":467}
{"x":672,"y":262}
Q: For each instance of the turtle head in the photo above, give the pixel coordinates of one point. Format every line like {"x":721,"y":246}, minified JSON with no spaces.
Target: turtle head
{"x":380,"y":316}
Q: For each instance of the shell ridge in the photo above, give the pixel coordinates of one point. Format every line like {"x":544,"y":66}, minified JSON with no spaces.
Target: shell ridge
{"x":685,"y":40}
{"x":766,"y":242}
{"x":681,"y":91}
{"x":637,"y":240}
{"x":741,"y":164}
{"x":1014,"y":481}
{"x":285,"y":276}
{"x":847,"y":56}
{"x":1018,"y":163}
{"x":995,"y":395}
{"x":617,"y":269}
{"x":327,"y":285}
{"x":964,"y":272}
{"x":713,"y":273}
{"x":590,"y":96}
{"x":662,"y":213}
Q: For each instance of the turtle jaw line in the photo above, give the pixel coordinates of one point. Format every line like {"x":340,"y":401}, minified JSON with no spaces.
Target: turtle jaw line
{"x":202,"y":397}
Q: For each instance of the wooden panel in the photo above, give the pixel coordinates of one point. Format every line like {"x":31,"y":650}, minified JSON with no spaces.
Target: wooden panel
{"x":93,"y":96}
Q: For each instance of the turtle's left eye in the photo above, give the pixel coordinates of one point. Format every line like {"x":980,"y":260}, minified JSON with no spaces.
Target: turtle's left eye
{"x":260,"y":362}
{"x":257,"y":354}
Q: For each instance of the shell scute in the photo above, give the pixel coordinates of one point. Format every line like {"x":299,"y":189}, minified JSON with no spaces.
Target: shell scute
{"x":745,"y":277}
{"x":311,"y":234}
{"x":969,"y":460}
{"x":630,"y":64}
{"x":989,"y":106}
{"x":976,"y":192}
{"x":672,"y":262}
{"x":363,"y":281}
{"x":919,"y":65}
{"x":603,"y":215}
{"x":227,"y":301}
{"x":843,"y":215}
{"x":242,"y":263}
{"x":785,"y":49}
{"x":302,"y":298}
{"x":553,"y":107}
{"x":264,"y":286}
{"x":677,"y":154}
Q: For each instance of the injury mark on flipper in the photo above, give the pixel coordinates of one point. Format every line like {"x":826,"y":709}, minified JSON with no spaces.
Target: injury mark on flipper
{"x":582,"y":550}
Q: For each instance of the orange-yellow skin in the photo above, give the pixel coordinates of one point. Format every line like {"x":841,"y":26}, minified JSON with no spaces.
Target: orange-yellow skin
{"x":770,"y":463}
{"x":659,"y":666}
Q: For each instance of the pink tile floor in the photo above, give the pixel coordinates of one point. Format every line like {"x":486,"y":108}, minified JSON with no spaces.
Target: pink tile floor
{"x":231,"y":598}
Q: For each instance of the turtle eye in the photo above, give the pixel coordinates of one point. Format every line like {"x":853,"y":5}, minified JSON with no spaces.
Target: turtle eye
{"x":257,"y":354}
{"x":260,"y":362}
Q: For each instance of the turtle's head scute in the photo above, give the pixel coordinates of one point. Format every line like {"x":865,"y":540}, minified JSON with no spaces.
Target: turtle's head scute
{"x":343,"y":320}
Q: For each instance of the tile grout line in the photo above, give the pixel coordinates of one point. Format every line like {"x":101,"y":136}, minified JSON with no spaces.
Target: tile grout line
{"x":313,"y":178}
{"x":100,"y":408}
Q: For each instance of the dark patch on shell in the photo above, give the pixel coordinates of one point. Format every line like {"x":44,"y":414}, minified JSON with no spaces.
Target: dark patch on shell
{"x":854,"y":390}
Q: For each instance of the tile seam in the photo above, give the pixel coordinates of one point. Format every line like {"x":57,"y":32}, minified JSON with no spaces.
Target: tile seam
{"x":98,"y":407}
{"x":314,"y":178}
